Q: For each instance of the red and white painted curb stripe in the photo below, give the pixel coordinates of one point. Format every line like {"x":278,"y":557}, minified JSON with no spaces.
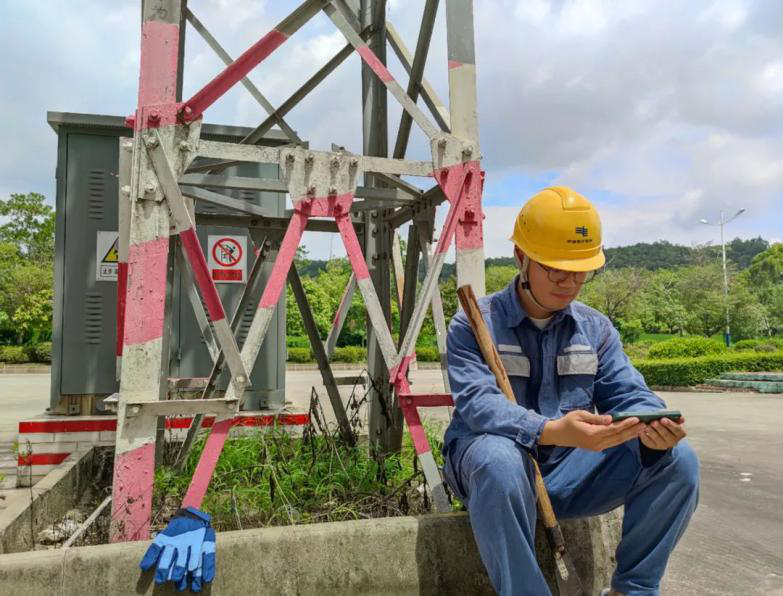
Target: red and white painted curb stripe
{"x":49,"y":442}
{"x":109,"y":423}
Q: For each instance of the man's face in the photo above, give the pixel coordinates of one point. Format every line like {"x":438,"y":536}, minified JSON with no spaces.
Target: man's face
{"x":552,"y":295}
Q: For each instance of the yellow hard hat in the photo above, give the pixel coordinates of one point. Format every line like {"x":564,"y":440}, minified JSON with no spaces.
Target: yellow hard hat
{"x":560,"y":228}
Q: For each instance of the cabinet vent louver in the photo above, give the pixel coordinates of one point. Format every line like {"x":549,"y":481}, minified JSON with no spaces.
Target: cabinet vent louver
{"x":93,"y":318}
{"x":96,"y":194}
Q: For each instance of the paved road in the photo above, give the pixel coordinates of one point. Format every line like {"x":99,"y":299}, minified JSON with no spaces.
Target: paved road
{"x":734,"y":544}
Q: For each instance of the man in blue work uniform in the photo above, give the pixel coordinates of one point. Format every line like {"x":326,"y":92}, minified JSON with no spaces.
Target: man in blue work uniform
{"x":565,"y":362}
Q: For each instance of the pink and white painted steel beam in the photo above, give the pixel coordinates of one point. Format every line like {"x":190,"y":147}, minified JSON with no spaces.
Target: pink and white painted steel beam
{"x":195,"y":106}
{"x":454,"y":181}
{"x":367,"y":288}
{"x":145,"y":365}
{"x":464,"y":125}
{"x":422,"y":446}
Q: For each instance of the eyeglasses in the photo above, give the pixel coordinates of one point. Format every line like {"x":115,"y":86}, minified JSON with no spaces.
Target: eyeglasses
{"x":558,"y":276}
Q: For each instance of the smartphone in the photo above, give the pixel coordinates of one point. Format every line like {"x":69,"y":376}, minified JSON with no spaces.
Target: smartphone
{"x":647,"y":416}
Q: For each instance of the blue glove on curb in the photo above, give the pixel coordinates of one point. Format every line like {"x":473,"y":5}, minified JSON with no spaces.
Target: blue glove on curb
{"x":179,"y":549}
{"x":205,"y":572}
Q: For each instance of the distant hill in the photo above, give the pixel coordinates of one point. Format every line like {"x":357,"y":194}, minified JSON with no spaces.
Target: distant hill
{"x":665,"y":255}
{"x":644,"y":255}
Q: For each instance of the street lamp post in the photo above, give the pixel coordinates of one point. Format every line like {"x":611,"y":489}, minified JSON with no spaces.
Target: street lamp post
{"x":723,"y":222}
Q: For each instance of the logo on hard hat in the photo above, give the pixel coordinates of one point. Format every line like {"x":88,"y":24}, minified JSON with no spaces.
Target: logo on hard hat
{"x":582,"y":230}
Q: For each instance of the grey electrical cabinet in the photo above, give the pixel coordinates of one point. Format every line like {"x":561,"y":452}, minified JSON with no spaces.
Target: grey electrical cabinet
{"x":84,"y":333}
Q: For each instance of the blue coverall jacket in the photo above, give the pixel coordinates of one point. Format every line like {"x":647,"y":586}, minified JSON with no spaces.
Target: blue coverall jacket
{"x":575,"y":363}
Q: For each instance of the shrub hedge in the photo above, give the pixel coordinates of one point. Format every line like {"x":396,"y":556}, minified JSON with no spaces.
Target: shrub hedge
{"x":683,"y":347}
{"x":43,"y":352}
{"x":350,"y":354}
{"x":692,"y":371}
{"x":14,"y":354}
{"x":765,"y":344}
{"x":355,"y":354}
{"x":297,"y":341}
{"x":300,"y":355}
{"x":638,"y":350}
{"x":427,"y":354}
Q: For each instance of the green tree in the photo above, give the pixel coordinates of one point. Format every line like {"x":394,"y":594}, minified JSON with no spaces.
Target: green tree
{"x":765,"y":277}
{"x":615,"y":293}
{"x":660,"y":308}
{"x":33,"y":318}
{"x":498,"y":277}
{"x":29,"y":227}
{"x":742,"y":252}
{"x":26,"y":260}
{"x":700,"y":291}
{"x":748,"y":316}
{"x":766,"y":268}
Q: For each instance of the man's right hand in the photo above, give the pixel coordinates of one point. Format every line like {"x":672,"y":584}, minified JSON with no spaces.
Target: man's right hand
{"x":586,"y":430}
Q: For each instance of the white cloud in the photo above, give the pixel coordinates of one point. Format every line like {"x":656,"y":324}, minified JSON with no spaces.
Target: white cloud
{"x":675,"y":109}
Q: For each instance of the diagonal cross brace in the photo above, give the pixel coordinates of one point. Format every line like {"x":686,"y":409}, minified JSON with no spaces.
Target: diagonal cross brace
{"x":320,"y":356}
{"x":252,"y":89}
{"x":340,"y":316}
{"x":252,"y":57}
{"x":381,"y":71}
{"x":185,"y":227}
{"x":249,"y":295}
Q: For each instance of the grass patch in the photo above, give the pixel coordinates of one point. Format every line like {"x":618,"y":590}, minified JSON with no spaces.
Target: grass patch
{"x":272,"y":478}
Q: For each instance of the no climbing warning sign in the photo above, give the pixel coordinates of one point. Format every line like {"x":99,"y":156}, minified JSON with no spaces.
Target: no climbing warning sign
{"x":227,"y":258}
{"x":107,"y":257}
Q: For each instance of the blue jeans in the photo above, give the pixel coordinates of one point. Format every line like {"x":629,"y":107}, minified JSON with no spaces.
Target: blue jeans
{"x":494,"y":478}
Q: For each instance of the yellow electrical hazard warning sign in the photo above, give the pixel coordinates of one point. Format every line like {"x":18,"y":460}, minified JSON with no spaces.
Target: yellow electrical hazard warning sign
{"x":112,"y":256}
{"x":107,"y":256}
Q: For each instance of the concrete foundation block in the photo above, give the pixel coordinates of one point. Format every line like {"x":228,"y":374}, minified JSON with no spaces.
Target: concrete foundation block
{"x":60,"y":447}
{"x":431,"y":554}
{"x":79,"y":437}
{"x":29,"y":512}
{"x":34,"y":438}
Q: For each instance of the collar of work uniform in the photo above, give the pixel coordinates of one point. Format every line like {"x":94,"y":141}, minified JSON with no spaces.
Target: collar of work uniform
{"x":516,"y":313}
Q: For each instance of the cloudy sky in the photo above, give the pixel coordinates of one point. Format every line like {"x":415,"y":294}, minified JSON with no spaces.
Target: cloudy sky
{"x":662,"y":112}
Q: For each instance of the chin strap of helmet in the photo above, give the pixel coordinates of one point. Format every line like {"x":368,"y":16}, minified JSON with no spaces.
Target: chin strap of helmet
{"x":524,"y":282}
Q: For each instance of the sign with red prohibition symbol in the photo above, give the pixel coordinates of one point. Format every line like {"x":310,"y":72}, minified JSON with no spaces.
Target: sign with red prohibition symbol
{"x":227,"y":258}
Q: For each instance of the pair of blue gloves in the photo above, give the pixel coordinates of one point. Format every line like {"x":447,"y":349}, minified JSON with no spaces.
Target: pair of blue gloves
{"x":184,"y":551}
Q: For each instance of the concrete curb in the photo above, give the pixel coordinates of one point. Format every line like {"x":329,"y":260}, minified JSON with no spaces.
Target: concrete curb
{"x":52,"y":497}
{"x":431,"y":554}
{"x":21,"y":369}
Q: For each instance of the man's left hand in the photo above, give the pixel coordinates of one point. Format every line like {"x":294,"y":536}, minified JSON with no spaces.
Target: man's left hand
{"x":663,"y":434}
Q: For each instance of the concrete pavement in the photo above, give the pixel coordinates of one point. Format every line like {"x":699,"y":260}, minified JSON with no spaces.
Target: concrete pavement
{"x":21,"y":396}
{"x":734,"y":544}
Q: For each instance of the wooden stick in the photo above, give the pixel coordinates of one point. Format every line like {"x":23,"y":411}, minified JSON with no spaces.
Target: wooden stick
{"x":470,"y":305}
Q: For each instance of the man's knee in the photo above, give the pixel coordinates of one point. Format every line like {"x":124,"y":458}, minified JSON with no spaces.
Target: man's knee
{"x":498,"y":465}
{"x":685,"y":466}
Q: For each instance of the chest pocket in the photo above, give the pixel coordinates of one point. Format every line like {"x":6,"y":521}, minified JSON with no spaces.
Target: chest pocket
{"x":576,"y":370}
{"x":517,"y":367}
